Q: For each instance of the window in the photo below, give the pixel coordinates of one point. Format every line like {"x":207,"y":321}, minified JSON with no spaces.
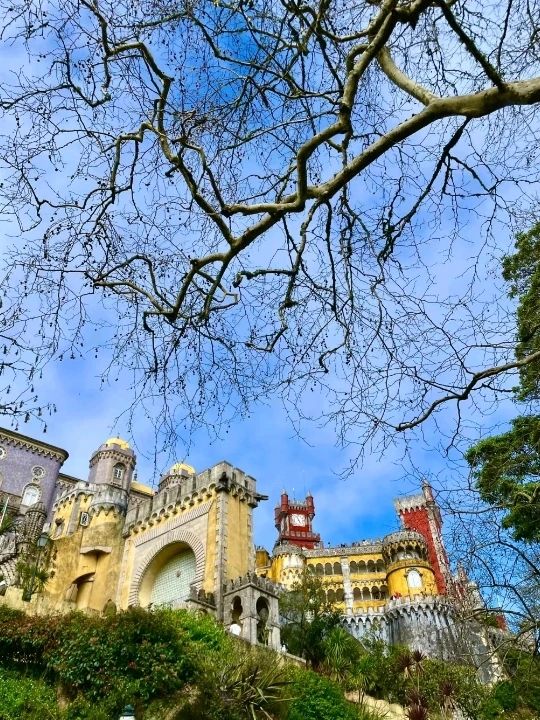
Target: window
{"x":2,"y":453}
{"x":414,"y":579}
{"x":30,"y":495}
{"x":118,"y":472}
{"x":38,"y":472}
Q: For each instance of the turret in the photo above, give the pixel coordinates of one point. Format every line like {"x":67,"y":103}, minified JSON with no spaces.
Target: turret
{"x":179,"y":474}
{"x":111,"y":471}
{"x":294,"y":522}
{"x":409,"y":571}
{"x":113,"y":464}
{"x":421,"y":513}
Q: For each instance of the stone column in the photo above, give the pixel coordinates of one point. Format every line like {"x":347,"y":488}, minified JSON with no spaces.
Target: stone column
{"x":347,"y":586}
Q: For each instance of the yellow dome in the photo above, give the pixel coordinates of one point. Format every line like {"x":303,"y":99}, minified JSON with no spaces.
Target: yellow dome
{"x":117,"y":441}
{"x":179,"y":468}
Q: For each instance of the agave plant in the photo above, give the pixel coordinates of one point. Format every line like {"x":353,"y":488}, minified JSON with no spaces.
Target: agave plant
{"x":405,"y":663}
{"x":447,"y":691}
{"x":253,"y":686}
{"x":415,"y":698}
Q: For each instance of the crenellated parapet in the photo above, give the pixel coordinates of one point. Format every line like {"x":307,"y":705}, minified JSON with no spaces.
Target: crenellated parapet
{"x":263,"y":584}
{"x":190,"y":492}
{"x":362,"y":547}
{"x":404,"y":545}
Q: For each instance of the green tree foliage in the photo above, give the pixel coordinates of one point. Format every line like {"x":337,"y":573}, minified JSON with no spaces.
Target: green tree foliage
{"x":135,"y":655}
{"x":522,"y":271}
{"x":307,"y":619}
{"x":506,"y":467}
{"x":342,"y":655}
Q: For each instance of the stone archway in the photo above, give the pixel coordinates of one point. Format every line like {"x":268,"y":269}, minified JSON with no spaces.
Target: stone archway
{"x":160,"y":561}
{"x":168,"y":577}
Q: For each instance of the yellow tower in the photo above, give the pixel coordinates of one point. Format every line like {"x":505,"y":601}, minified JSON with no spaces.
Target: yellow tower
{"x":409,"y":572}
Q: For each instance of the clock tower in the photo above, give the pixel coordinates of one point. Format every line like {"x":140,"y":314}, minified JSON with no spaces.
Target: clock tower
{"x":294,"y":523}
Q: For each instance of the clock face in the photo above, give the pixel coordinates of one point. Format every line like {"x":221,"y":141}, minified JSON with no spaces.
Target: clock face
{"x":297,"y":519}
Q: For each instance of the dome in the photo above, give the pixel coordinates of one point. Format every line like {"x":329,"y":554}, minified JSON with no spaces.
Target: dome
{"x":181,"y":468}
{"x":117,"y":441}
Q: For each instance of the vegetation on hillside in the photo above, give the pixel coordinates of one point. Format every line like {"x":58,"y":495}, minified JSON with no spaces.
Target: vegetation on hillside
{"x":175,"y":665}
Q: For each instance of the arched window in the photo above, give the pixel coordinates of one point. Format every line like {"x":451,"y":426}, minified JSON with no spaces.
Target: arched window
{"x":353,"y":567}
{"x":263,"y":613}
{"x":236,"y":610}
{"x":311,"y":569}
{"x":361,"y":567}
{"x":118,"y":472}
{"x":30,"y":496}
{"x":365,"y":594}
{"x":380,"y":566}
{"x":328,"y":569}
{"x":414,"y":579}
{"x":375,"y":593}
{"x":337,"y":569}
{"x":319,"y":569}
{"x":339,"y":595}
{"x":384,"y":592}
{"x":357,"y":594}
{"x":371,"y":566}
{"x":331,"y":596}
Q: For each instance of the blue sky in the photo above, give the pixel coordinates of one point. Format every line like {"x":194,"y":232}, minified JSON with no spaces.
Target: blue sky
{"x":266,"y":445}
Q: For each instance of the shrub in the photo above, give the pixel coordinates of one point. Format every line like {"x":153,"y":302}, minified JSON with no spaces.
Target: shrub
{"x":25,"y":641}
{"x":198,"y":628}
{"x":23,"y":698}
{"x":379,"y":673}
{"x":132,"y":656}
{"x":316,"y":697}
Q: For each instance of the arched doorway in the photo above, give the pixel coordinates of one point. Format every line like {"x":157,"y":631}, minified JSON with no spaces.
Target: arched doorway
{"x":168,"y":577}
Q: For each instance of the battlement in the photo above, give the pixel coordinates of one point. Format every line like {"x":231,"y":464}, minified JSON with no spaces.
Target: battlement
{"x":252,"y":579}
{"x":409,"y":502}
{"x":192,"y":490}
{"x":403,"y":536}
{"x":362,"y":547}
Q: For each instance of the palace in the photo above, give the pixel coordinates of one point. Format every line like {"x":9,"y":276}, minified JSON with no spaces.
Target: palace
{"x":111,"y":542}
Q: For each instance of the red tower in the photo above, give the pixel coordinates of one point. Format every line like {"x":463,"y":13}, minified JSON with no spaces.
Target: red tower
{"x":421,"y":513}
{"x":294,"y":522}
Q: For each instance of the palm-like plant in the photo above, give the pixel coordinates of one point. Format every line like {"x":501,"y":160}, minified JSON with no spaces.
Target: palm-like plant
{"x":32,"y":577}
{"x":253,"y":687}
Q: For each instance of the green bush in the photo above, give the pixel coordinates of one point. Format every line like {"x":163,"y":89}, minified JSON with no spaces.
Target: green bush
{"x":132,"y":656}
{"x":201,"y":629}
{"x":316,"y":697}
{"x":378,"y":671}
{"x":506,"y":695}
{"x":25,"y":641}
{"x":23,"y":698}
